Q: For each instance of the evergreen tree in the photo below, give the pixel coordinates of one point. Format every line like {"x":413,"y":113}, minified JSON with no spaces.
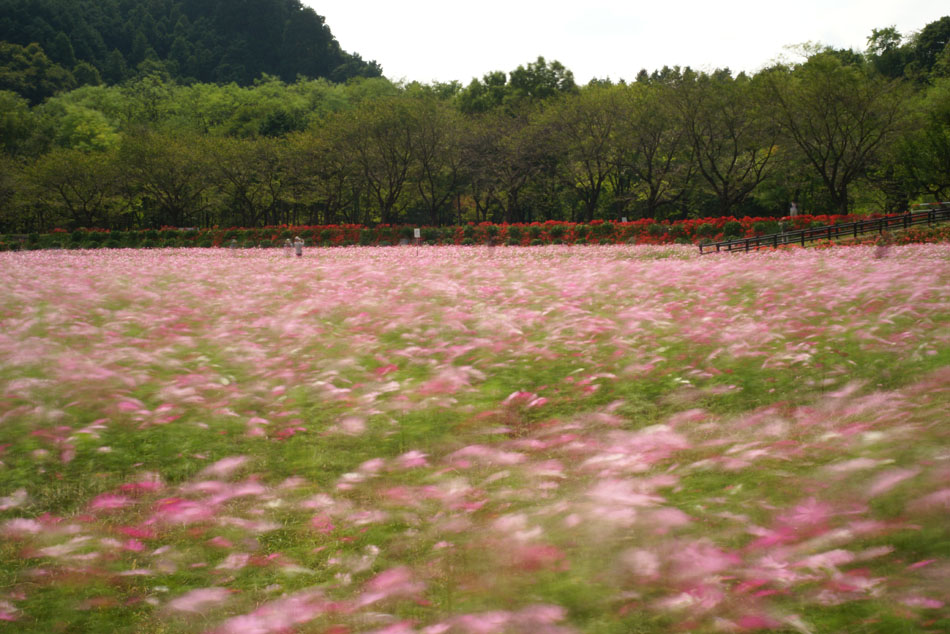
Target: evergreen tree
{"x":207,"y":40}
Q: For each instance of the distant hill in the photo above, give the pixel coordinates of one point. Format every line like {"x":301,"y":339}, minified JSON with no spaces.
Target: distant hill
{"x":217,"y":41}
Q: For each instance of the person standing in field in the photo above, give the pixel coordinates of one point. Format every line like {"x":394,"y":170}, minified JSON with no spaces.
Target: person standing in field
{"x":298,"y":246}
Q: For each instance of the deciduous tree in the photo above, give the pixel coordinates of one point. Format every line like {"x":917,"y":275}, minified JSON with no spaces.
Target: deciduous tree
{"x":839,"y":116}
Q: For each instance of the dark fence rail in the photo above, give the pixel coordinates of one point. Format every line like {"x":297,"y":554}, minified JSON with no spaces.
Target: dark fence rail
{"x":933,"y":214}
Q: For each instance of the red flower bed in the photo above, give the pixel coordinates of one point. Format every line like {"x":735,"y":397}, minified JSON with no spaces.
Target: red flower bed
{"x":642,"y":231}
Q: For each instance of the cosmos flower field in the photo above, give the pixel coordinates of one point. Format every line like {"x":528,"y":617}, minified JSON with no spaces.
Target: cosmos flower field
{"x":465,"y":440}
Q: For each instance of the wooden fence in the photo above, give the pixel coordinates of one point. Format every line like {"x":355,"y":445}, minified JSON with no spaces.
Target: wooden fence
{"x":933,"y":214}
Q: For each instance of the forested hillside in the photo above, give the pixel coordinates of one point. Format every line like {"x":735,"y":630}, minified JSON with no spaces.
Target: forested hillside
{"x":217,"y":41}
{"x":836,"y":131}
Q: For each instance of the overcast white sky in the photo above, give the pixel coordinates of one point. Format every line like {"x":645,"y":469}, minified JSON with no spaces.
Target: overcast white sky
{"x":442,"y":40}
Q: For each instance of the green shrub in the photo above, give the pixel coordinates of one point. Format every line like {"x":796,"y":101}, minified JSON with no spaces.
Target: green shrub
{"x":705,"y":230}
{"x":50,"y":241}
{"x":515,"y":232}
{"x":430,"y":234}
{"x":682,"y":240}
{"x":468,"y":241}
{"x":556,"y":231}
{"x":468,"y":232}
{"x":604,"y":229}
{"x":656,"y":230}
{"x":367,"y":237}
{"x":536,"y":242}
{"x":512,"y":242}
{"x":326,"y":235}
{"x":732,"y":229}
{"x":678,"y":231}
{"x":765,"y":226}
{"x":534,"y":231}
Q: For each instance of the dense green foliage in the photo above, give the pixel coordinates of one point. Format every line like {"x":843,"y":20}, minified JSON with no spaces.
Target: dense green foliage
{"x":838,"y":132}
{"x":195,"y":40}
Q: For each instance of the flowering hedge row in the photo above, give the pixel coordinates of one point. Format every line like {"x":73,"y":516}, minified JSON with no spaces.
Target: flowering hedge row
{"x":645,"y":231}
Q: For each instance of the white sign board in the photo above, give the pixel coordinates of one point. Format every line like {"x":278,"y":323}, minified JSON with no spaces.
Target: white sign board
{"x":417,"y":233}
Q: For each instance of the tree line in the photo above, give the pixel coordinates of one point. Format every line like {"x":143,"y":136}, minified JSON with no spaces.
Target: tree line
{"x":836,"y":132}
{"x":88,"y":42}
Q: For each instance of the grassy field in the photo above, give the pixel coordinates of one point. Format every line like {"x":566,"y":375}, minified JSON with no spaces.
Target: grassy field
{"x":467,"y":440}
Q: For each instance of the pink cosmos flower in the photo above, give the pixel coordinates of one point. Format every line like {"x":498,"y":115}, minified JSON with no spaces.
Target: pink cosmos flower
{"x":395,"y":582}
{"x":923,"y":602}
{"x":701,"y":560}
{"x":810,"y":514}
{"x":481,"y":453}
{"x":322,"y":524}
{"x":888,"y":480}
{"x":138,"y":532}
{"x":225,"y":467}
{"x":179,"y":511}
{"x":353,"y":425}
{"x":12,"y":501}
{"x":373,"y":465}
{"x":403,"y":627}
{"x":412,"y":459}
{"x":827,"y":560}
{"x":234,"y":561}
{"x":936,"y":501}
{"x":19,"y":526}
{"x":199,"y":600}
{"x":108,"y":502}
{"x":276,"y":617}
